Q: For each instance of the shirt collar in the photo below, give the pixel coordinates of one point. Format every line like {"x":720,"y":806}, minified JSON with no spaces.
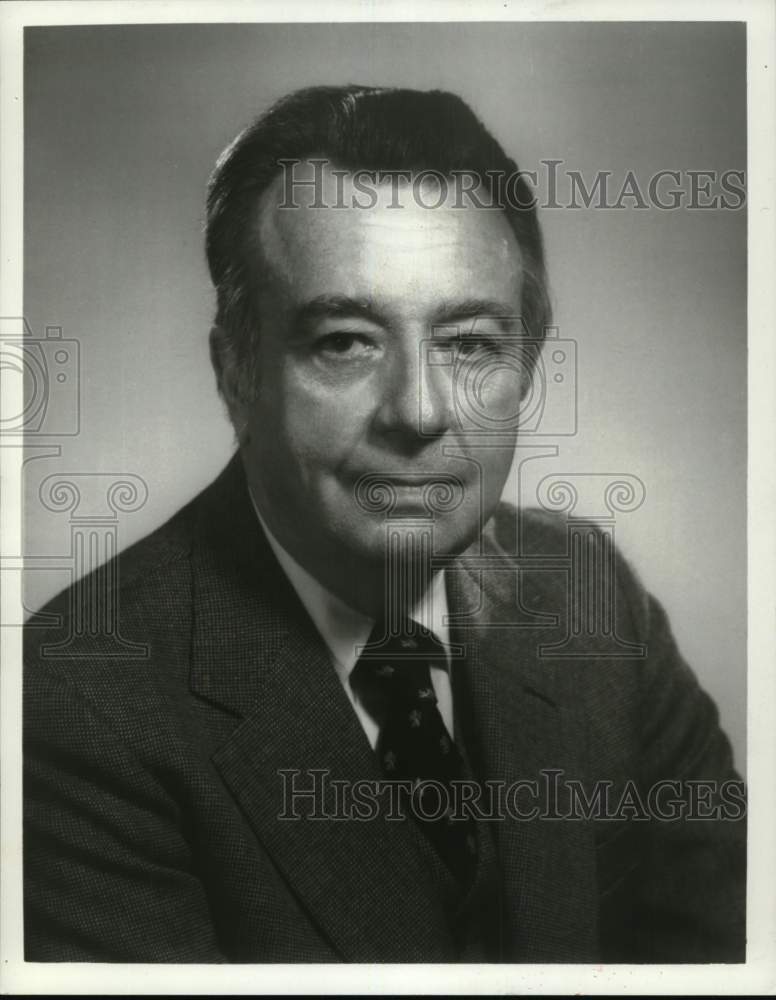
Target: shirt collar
{"x":342,"y":628}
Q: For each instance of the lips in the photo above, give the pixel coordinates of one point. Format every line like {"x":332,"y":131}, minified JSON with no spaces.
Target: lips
{"x":401,"y":477}
{"x":380,"y":492}
{"x":417,"y":480}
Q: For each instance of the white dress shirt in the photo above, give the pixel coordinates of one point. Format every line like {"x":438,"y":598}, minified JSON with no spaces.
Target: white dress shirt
{"x":345,"y":630}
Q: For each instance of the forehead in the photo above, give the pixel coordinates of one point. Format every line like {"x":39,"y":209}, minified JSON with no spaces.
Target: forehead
{"x":396,"y":248}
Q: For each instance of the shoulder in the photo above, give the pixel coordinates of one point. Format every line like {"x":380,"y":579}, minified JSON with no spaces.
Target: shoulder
{"x":614,"y":641}
{"x":542,"y":545}
{"x":112,"y":653}
{"x":129,"y":619}
{"x":149,"y":572}
{"x":139,"y":573}
{"x":529,"y":530}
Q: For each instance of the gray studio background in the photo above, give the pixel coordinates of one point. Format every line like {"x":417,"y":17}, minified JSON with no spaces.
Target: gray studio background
{"x":122,"y":127}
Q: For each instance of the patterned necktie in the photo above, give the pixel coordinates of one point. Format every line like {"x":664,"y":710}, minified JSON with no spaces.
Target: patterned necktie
{"x":392,"y":680}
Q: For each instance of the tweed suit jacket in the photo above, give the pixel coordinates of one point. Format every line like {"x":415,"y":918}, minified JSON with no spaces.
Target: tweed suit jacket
{"x":153,"y":760}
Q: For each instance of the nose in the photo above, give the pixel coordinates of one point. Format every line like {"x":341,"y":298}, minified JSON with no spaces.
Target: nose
{"x":416,"y":394}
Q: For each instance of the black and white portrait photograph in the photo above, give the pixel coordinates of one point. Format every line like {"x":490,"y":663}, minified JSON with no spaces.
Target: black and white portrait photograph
{"x":388,"y":530}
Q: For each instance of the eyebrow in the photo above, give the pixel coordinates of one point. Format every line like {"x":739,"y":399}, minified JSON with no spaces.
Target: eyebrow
{"x":503,"y":312}
{"x":340,"y":307}
{"x":348,"y":307}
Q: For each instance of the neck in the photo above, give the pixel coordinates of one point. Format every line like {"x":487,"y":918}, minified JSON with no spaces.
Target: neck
{"x":388,"y":588}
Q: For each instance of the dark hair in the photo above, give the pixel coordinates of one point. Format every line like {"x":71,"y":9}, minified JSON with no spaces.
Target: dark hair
{"x":357,"y":128}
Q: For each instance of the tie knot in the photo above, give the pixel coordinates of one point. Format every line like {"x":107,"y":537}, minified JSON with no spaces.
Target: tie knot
{"x":394,"y":669}
{"x":406,"y":640}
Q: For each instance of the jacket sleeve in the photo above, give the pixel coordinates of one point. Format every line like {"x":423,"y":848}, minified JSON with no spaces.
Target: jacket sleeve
{"x":687,"y":902}
{"x":108,"y":873}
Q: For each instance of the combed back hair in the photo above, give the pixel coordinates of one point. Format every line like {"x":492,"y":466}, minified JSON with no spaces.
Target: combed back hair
{"x":355,"y":128}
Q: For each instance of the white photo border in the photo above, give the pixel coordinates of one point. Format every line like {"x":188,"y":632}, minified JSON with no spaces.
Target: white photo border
{"x":758,"y":974}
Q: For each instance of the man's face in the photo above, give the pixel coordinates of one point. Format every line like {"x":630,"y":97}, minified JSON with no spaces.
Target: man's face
{"x":356,"y":304}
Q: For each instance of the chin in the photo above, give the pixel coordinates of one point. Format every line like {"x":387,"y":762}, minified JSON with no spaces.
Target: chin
{"x":411,"y":540}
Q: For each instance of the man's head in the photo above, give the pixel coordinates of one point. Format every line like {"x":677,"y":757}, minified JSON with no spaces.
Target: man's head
{"x":372,"y":318}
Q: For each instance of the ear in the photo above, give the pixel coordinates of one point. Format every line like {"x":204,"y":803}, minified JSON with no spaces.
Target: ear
{"x":227,"y":382}
{"x":217,"y":353}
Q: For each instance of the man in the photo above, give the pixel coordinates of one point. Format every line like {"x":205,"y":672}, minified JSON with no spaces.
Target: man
{"x":348,"y":724}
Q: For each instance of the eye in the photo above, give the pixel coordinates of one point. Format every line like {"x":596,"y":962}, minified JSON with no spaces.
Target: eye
{"x":468,"y":345}
{"x":344,"y":345}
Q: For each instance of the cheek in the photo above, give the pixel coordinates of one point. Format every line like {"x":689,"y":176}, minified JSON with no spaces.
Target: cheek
{"x":487,"y":392}
{"x":309,"y":424}
{"x":500,"y":384}
{"x":498,"y":468}
{"x":491,"y":465}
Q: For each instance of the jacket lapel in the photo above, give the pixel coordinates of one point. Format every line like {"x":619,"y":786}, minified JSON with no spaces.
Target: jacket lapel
{"x":517,"y":716}
{"x":256,"y":654}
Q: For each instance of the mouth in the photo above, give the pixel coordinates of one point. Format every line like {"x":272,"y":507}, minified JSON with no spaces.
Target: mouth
{"x":417,"y":480}
{"x":383,"y":491}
